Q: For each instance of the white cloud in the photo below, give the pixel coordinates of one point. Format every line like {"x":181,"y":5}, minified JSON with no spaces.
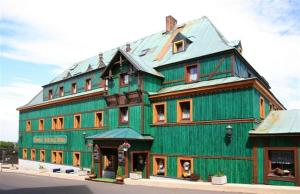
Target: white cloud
{"x":12,"y":96}
{"x":62,"y":32}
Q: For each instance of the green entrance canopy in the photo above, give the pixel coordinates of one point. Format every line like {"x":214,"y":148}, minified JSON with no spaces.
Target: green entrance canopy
{"x":282,"y":122}
{"x":120,"y":133}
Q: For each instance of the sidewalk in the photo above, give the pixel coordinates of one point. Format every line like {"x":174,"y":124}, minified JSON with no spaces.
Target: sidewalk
{"x":182,"y":184}
{"x":49,"y":174}
{"x":239,"y":188}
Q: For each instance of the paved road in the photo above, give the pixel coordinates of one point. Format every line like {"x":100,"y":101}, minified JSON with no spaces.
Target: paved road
{"x":11,"y":183}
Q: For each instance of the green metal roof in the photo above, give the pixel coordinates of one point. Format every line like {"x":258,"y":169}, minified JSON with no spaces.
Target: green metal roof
{"x":279,"y":122}
{"x":205,"y":38}
{"x":200,"y":84}
{"x":38,"y":99}
{"x":120,"y":133}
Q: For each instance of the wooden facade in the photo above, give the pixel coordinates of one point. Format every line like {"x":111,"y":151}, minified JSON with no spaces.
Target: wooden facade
{"x":200,"y":139}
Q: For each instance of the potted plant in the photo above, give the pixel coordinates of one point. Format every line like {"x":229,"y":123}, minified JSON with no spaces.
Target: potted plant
{"x":135,"y":175}
{"x":219,"y":178}
{"x":119,"y":177}
{"x":92,"y":174}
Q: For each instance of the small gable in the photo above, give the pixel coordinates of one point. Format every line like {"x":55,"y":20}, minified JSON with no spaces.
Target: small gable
{"x":180,"y":43}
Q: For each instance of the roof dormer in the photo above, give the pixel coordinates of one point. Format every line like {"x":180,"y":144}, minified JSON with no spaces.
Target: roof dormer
{"x":180,"y":43}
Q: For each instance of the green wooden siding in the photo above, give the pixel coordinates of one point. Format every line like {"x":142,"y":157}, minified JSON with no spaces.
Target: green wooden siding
{"x":220,"y":65}
{"x":80,"y":81}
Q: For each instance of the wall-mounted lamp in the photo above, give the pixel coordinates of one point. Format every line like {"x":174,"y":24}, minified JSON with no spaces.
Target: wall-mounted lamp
{"x":228,"y":135}
{"x":84,"y":137}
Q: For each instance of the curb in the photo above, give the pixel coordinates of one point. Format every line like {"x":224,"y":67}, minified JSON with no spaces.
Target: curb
{"x":233,"y":188}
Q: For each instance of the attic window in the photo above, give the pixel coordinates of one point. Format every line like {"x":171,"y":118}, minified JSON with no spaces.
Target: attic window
{"x":144,"y":52}
{"x":74,"y":88}
{"x":178,"y":46}
{"x":88,"y":84}
{"x":50,"y":95}
{"x":124,"y":79}
{"x":61,"y":91}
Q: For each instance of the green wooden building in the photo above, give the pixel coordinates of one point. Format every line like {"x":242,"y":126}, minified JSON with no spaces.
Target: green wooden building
{"x":178,"y":103}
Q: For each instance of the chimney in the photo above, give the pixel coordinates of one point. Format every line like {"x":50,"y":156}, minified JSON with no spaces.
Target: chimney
{"x":127,"y":47}
{"x":101,"y":62}
{"x":170,"y":23}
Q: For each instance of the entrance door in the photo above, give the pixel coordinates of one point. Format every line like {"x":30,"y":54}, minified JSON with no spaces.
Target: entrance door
{"x":109,"y":164}
{"x":140,"y":163}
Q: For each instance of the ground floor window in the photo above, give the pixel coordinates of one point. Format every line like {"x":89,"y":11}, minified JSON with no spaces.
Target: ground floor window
{"x":185,"y":167}
{"x":76,"y":159}
{"x":24,"y":154}
{"x":160,"y":165}
{"x":42,"y":155}
{"x":282,"y":163}
{"x":57,"y":157}
{"x":32,"y":154}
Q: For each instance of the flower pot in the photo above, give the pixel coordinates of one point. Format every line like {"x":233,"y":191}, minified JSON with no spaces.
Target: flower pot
{"x":120,"y":179}
{"x":135,"y":175}
{"x":92,"y":176}
{"x":219,"y":180}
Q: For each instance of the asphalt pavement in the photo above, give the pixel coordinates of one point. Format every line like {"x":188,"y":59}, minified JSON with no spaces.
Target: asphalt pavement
{"x":12,"y":183}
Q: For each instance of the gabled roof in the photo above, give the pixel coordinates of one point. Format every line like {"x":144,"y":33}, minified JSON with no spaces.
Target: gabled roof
{"x":120,"y":133}
{"x":135,"y":61}
{"x":205,"y":38}
{"x":280,"y":122}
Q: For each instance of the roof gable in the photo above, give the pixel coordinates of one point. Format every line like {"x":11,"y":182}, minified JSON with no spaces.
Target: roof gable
{"x":136,"y":63}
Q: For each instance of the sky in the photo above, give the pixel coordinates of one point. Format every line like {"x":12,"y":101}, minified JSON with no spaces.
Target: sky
{"x":39,"y":39}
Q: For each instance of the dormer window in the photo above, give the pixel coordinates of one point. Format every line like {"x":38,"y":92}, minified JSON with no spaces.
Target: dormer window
{"x":88,"y":84}
{"x":50,"y":95}
{"x":61,"y":91}
{"x":124,"y":79}
{"x":178,"y":46}
{"x":191,"y":73}
{"x":74,"y":88}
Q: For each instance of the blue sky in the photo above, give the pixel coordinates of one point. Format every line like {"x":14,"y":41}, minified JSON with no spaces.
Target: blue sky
{"x":39,"y":39}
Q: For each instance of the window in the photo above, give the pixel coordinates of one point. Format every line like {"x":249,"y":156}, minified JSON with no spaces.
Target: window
{"x":42,"y":155}
{"x":41,"y":124}
{"x":124,"y":79}
{"x":74,"y":88}
{"x":124,"y":115}
{"x":261,"y":107}
{"x":88,"y":84}
{"x":160,"y":165}
{"x":77,"y":121}
{"x":282,"y":163}
{"x":50,"y":95}
{"x":54,"y":123}
{"x":184,"y":110}
{"x":57,"y":157}
{"x":61,"y":91}
{"x":76,"y":159}
{"x":98,"y":119}
{"x":191,"y":73}
{"x":24,"y":154}
{"x":178,"y":46}
{"x":160,"y":112}
{"x":57,"y":123}
{"x":185,"y":167}
{"x":60,"y":123}
{"x":32,"y":154}
{"x":28,"y":125}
